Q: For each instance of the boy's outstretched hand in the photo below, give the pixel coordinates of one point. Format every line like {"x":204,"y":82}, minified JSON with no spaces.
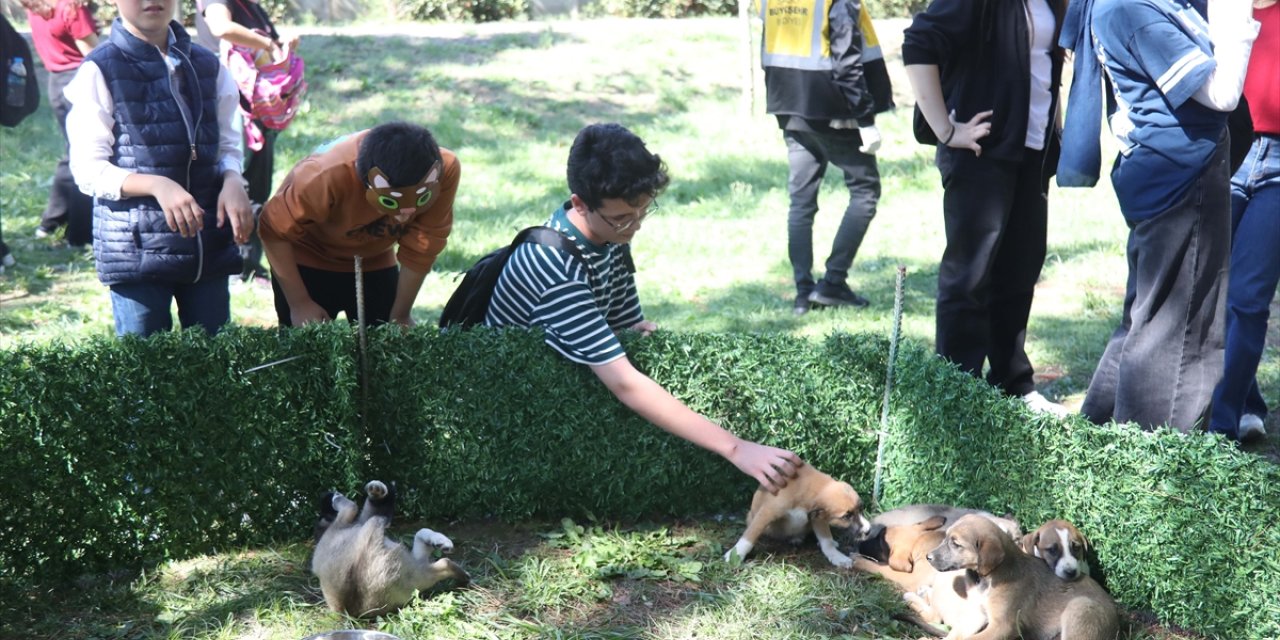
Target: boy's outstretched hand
{"x":233,"y":204}
{"x":770,"y":466}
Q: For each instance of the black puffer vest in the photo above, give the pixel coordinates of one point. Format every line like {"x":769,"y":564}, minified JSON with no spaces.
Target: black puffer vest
{"x":132,"y":241}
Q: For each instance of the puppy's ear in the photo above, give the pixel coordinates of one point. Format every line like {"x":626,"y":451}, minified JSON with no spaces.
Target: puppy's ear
{"x":932,"y":524}
{"x":1029,"y":542}
{"x":1084,"y":541}
{"x":900,"y":560}
{"x":990,"y":552}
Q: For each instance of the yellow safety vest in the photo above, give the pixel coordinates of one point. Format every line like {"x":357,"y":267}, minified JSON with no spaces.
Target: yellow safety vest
{"x":796,"y":34}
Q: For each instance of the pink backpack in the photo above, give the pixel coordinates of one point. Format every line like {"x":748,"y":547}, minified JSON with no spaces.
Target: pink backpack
{"x":272,"y":91}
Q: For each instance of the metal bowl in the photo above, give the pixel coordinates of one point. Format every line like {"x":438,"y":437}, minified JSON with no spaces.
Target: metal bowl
{"x":352,"y":634}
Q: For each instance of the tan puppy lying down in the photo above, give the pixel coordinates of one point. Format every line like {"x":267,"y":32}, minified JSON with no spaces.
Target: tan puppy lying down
{"x":812,"y":501}
{"x":1019,"y":594}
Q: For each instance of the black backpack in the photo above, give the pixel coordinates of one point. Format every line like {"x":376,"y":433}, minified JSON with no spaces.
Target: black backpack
{"x":469,"y":303}
{"x":13,"y":45}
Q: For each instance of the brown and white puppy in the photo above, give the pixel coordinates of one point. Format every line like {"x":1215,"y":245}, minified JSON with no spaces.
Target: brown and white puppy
{"x":812,"y":501}
{"x":1061,"y":546}
{"x":364,"y":573}
{"x":874,"y":546}
{"x":1020,"y":594}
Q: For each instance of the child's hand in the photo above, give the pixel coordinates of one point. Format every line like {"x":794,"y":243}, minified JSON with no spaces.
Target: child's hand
{"x":180,"y":209}
{"x":770,"y":466}
{"x":233,"y":203}
{"x":645,"y":327}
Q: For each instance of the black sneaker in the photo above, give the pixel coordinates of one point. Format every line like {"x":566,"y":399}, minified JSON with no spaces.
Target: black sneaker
{"x":802,"y":304}
{"x":837,"y":295}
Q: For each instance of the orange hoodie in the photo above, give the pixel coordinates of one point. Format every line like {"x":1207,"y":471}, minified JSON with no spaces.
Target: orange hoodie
{"x":321,"y":209}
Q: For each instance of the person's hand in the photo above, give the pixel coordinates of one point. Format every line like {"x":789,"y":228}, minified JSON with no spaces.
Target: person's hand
{"x":870,"y":139}
{"x":307,"y":312}
{"x":405,"y":322}
{"x":770,"y":466}
{"x":234,"y":205}
{"x":181,"y":211}
{"x":965,"y":135}
{"x":644,"y":327}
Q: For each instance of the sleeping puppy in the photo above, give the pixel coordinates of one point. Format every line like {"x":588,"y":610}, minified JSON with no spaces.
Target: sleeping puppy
{"x":1061,"y":546}
{"x":1020,"y":594}
{"x":906,"y":546}
{"x":932,"y":595}
{"x":364,"y":573}
{"x":812,"y":501}
{"x":874,"y":546}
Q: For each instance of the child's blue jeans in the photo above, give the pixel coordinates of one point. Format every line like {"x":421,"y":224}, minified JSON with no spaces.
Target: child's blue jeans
{"x":1255,"y":271}
{"x":143,"y":308}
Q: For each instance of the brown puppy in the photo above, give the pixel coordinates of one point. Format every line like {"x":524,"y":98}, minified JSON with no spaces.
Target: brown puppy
{"x":1020,"y":595}
{"x":1061,"y":546}
{"x":364,"y":573}
{"x":907,"y":547}
{"x":931,"y":594}
{"x":812,"y":501}
{"x":873,"y":544}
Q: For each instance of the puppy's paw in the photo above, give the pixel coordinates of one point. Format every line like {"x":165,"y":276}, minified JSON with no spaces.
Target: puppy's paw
{"x":841,"y":561}
{"x":435,"y":539}
{"x":375,"y":490}
{"x":338,"y":501}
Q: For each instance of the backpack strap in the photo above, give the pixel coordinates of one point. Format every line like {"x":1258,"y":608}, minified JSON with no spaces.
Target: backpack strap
{"x":549,"y":237}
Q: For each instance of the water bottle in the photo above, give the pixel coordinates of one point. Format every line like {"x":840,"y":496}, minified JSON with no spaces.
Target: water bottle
{"x":16,"y":96}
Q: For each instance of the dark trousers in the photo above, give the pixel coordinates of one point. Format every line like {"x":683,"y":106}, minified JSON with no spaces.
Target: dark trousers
{"x":1254,"y":274}
{"x":1163,"y":361}
{"x":808,"y":153}
{"x":258,"y":169}
{"x":67,"y":204}
{"x":996,"y":216}
{"x":335,"y":291}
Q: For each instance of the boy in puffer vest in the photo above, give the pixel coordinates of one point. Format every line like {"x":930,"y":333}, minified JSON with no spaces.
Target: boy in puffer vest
{"x":151,"y":141}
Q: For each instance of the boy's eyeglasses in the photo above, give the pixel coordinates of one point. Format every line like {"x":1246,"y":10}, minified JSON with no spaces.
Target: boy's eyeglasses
{"x":627,"y":221}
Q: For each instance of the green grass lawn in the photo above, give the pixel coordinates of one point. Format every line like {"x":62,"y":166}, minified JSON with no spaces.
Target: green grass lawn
{"x":508,"y":100}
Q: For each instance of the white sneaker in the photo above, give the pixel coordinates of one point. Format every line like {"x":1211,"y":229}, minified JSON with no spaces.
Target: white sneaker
{"x":41,"y":234}
{"x":1251,"y":428}
{"x":7,"y":260}
{"x":1040,"y":404}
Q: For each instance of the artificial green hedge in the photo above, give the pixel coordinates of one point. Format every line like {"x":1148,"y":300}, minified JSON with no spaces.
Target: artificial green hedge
{"x":124,"y":452}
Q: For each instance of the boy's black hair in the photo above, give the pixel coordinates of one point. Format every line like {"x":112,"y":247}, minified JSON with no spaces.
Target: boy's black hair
{"x":404,"y":152}
{"x":608,"y":161}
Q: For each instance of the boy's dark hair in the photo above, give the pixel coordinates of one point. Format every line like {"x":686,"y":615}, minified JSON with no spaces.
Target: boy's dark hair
{"x":608,"y":161}
{"x":404,"y":152}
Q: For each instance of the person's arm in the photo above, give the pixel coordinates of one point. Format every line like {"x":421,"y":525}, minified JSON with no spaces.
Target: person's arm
{"x":407,"y":288}
{"x":233,"y":200}
{"x":926,"y":84}
{"x":284,"y":270}
{"x":87,"y":43}
{"x":1233,"y":30}
{"x":83,"y":28}
{"x":769,"y":466}
{"x":218,"y":18}
{"x":845,"y":40}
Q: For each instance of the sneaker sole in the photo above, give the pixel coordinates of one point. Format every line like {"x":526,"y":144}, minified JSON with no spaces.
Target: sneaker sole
{"x":836,"y":302}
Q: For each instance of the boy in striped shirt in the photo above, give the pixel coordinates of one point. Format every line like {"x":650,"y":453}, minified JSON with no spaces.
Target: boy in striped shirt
{"x":615,"y":182}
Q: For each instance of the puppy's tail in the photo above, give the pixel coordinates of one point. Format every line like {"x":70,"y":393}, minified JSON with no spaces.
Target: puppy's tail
{"x":929,"y":628}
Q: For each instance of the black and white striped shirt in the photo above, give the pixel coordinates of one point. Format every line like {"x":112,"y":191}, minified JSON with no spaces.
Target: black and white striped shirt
{"x":579,"y":307}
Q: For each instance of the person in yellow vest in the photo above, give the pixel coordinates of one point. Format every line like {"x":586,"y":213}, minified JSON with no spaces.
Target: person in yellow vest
{"x":825,"y":81}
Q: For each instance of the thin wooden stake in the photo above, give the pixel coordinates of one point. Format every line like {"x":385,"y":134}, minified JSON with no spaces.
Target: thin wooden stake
{"x":877,"y":489}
